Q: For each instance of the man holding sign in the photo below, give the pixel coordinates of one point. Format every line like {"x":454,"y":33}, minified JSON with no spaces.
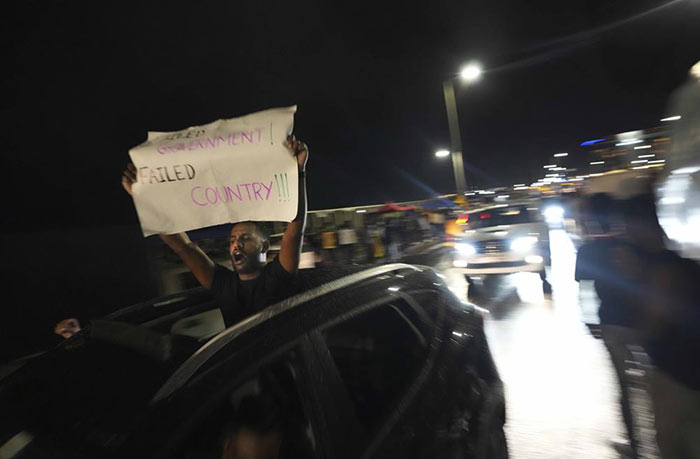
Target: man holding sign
{"x":252,"y":285}
{"x":235,"y":170}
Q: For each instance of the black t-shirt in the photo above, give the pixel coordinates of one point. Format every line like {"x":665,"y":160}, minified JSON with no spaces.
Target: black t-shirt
{"x":595,"y":261}
{"x":239,"y":299}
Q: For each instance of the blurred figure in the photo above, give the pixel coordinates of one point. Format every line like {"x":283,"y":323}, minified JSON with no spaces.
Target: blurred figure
{"x":599,"y":259}
{"x":256,"y":433}
{"x":424,"y":226}
{"x":328,"y":245}
{"x":679,"y":189}
{"x":670,"y":329}
{"x":650,"y":298}
{"x":394,"y":239}
{"x":672,"y":340}
{"x":347,"y":238}
{"x":377,"y":235}
{"x":437,"y":223}
{"x":265,"y":427}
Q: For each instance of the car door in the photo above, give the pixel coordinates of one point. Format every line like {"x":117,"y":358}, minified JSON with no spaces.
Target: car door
{"x":379,"y":356}
{"x":269,"y":364}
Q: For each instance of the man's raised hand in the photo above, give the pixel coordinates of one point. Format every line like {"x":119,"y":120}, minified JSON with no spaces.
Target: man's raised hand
{"x":129,"y":177}
{"x":299,"y":150}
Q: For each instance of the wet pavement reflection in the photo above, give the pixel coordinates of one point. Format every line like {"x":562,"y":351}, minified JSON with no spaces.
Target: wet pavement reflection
{"x":561,"y":390}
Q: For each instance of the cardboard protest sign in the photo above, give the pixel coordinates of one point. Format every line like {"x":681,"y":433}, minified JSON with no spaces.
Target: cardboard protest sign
{"x":226,"y":171}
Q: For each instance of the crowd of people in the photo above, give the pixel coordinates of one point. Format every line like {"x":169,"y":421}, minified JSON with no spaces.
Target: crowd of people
{"x":382,"y":238}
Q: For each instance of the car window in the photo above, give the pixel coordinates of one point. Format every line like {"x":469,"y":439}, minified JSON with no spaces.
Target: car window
{"x":378,"y":354}
{"x":498,"y":216}
{"x":263,"y":416}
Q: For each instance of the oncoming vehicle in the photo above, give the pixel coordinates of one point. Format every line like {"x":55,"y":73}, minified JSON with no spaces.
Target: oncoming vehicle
{"x":503,"y":239}
{"x":381,"y":362}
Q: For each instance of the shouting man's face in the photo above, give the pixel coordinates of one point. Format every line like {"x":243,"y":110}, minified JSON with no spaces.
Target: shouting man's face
{"x":247,"y":248}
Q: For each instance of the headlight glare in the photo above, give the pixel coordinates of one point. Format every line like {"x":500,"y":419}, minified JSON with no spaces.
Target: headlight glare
{"x":465,"y":249}
{"x":523,"y":244}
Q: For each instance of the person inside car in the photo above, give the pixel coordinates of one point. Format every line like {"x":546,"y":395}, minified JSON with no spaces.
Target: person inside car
{"x":253,"y":284}
{"x":256,"y":432}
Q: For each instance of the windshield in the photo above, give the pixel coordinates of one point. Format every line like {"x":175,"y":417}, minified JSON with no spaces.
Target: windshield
{"x":499,"y":216}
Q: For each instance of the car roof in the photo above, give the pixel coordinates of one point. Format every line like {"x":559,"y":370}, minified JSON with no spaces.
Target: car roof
{"x":501,"y":206}
{"x":319,"y":284}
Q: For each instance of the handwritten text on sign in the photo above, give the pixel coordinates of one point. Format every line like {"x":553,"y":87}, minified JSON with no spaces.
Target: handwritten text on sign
{"x":226,"y":171}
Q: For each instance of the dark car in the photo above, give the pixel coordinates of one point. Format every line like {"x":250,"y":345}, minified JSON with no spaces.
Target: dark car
{"x":381,"y":362}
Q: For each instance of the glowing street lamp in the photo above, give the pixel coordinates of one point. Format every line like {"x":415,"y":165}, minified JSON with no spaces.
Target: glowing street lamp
{"x":469,"y":74}
{"x":442,"y":153}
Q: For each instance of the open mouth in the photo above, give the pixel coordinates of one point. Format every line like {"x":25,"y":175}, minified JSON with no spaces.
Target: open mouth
{"x":238,"y":257}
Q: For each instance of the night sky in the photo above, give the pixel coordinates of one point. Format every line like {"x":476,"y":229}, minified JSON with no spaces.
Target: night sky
{"x":88,"y":79}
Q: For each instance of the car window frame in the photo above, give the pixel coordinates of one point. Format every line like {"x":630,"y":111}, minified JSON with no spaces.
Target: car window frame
{"x":521,"y":207}
{"x":403,"y":400}
{"x":211,"y":349}
{"x":344,"y":437}
{"x":172,"y":440}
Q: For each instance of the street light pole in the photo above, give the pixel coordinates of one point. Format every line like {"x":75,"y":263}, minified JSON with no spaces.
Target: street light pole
{"x":455,"y":138}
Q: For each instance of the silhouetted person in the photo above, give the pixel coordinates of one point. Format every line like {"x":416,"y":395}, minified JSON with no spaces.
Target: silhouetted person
{"x":669,"y":329}
{"x":602,"y":260}
{"x":256,"y":432}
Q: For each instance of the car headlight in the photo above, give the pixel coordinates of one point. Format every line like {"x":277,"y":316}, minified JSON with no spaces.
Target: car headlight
{"x":465,"y":249}
{"x":523,"y":244}
{"x":554,"y":214}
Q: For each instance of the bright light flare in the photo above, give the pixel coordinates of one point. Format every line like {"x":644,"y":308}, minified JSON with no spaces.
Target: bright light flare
{"x":560,"y":155}
{"x":554,"y":214}
{"x":442,"y":153}
{"x":534,"y":259}
{"x":523,"y":244}
{"x":470,"y":72}
{"x":672,"y":118}
{"x":686,"y":170}
{"x":628,"y":142}
{"x":465,"y":249}
{"x":595,"y":163}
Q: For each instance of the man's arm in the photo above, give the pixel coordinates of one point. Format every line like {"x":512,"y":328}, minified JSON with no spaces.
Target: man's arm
{"x":196,"y":260}
{"x":290,"y":250}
